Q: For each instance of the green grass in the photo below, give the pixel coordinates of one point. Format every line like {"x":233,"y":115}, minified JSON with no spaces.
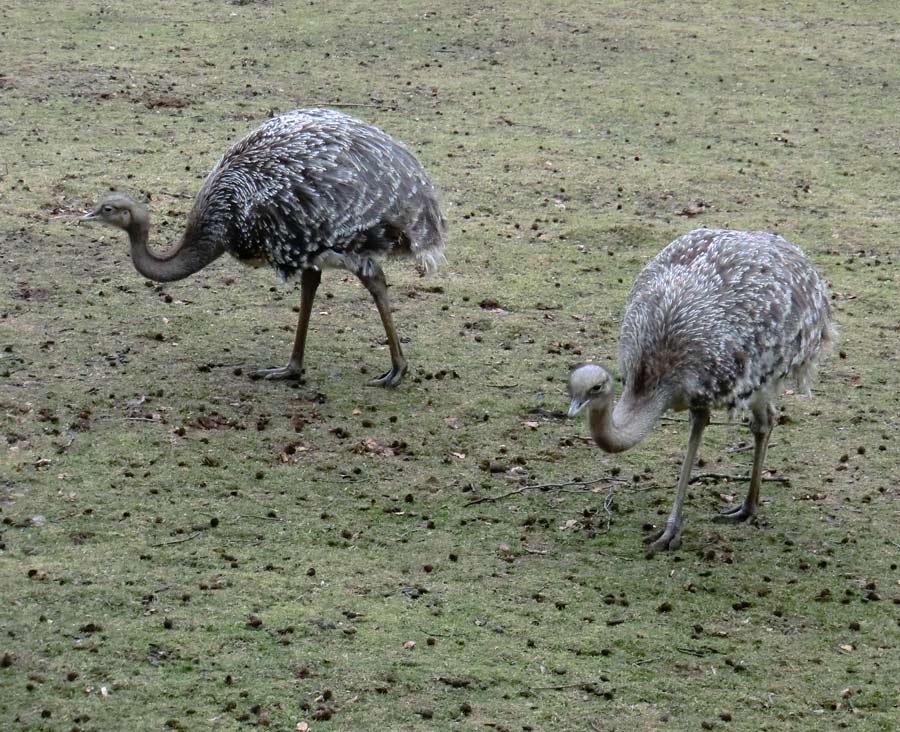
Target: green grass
{"x":221,"y":554}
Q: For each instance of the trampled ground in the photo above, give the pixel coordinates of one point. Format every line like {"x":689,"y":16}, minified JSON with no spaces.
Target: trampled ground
{"x":184,"y":548}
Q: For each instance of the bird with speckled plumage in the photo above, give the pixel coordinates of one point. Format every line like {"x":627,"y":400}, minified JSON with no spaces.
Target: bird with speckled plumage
{"x":717,"y":319}
{"x":306,"y":190}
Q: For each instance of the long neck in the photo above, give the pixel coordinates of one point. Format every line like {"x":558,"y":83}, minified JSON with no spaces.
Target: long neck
{"x":188,"y":256}
{"x":618,"y":428}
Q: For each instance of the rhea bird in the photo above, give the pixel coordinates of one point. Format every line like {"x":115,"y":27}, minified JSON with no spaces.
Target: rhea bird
{"x":306,"y":190}
{"x":718,"y":319}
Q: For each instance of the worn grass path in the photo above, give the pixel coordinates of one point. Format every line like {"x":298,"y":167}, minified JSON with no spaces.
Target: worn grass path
{"x":182,"y":548}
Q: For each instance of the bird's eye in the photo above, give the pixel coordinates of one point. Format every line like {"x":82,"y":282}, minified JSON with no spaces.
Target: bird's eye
{"x":107,"y":209}
{"x":595,"y":389}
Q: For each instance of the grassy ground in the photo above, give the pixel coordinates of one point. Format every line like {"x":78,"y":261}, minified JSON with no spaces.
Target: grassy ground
{"x":182,"y":548}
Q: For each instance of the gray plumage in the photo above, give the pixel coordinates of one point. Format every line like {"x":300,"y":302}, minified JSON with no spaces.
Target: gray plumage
{"x":306,"y":190}
{"x":316,"y":187}
{"x":717,"y":319}
{"x":718,"y":315}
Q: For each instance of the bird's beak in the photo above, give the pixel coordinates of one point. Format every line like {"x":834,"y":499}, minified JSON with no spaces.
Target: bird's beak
{"x":90,"y":216}
{"x":576,"y":406}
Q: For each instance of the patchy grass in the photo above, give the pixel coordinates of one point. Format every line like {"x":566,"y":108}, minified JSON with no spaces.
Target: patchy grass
{"x":183,"y":548}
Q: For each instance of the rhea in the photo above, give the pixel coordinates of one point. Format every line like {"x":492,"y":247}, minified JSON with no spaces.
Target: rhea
{"x":717,"y":319}
{"x":306,"y":190}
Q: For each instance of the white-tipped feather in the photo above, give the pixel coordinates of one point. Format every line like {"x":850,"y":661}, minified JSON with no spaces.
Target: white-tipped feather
{"x":719,"y":315}
{"x":316,"y":187}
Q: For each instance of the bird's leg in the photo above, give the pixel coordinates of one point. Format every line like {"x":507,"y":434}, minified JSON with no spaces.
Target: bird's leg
{"x":669,"y":537}
{"x":373,"y":278}
{"x":761,"y":423}
{"x":309,"y":283}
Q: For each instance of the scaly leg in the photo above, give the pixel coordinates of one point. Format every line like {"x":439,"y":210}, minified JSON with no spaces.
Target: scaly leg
{"x":309,"y":283}
{"x":669,"y":537}
{"x":374,"y":281}
{"x":761,"y":423}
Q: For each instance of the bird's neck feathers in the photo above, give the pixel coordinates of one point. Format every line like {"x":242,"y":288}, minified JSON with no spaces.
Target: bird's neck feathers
{"x":620,"y":427}
{"x":139,"y":228}
{"x":190,"y":255}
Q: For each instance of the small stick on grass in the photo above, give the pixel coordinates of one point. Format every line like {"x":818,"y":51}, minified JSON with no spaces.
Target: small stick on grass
{"x":725,"y":476}
{"x":586,"y":685}
{"x":65,"y":516}
{"x":344,"y":104}
{"x":179,"y":541}
{"x":645,"y":661}
{"x":130,"y":419}
{"x":541,"y":487}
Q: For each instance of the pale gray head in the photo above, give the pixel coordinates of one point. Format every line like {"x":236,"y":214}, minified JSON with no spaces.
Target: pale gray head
{"x":587,"y":383}
{"x":117,"y":210}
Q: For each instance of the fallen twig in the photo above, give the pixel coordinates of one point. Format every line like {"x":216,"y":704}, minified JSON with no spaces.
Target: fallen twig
{"x":698,"y":652}
{"x":129,"y":419}
{"x":726,"y":476}
{"x":179,"y":541}
{"x":559,"y":687}
{"x":65,"y":516}
{"x":541,"y":487}
{"x":645,"y":661}
{"x":493,"y":499}
{"x":345,"y":104}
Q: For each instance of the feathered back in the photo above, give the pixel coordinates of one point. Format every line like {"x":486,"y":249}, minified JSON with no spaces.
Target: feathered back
{"x":313,"y":180}
{"x":719,"y":314}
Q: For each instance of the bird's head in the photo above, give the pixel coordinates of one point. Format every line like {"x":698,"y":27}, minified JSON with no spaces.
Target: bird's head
{"x":117,"y":210}
{"x":587,"y":383}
